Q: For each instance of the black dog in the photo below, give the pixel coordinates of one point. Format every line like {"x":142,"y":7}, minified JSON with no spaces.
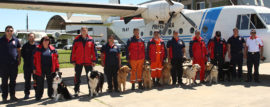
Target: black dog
{"x":227,"y":71}
{"x":96,"y":81}
{"x":59,"y":87}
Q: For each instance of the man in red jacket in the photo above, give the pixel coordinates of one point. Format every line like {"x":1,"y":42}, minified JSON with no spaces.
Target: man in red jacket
{"x":217,"y":49}
{"x":135,"y":54}
{"x":83,"y":54}
{"x":198,"y":52}
{"x":156,"y":55}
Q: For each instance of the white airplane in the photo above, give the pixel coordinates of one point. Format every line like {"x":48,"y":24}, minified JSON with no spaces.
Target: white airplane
{"x":165,"y":16}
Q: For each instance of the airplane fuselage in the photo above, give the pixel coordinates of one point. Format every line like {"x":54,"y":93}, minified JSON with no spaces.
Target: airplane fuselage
{"x":209,"y":21}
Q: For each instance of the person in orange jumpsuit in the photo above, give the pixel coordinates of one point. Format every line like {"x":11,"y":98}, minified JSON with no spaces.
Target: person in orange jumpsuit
{"x":156,"y":55}
{"x":198,"y":53}
{"x":135,"y":54}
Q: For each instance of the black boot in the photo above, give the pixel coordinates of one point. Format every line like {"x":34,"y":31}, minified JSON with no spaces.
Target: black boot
{"x":154,"y":82}
{"x":157,"y":82}
{"x":133,"y":86}
{"x":140,"y":85}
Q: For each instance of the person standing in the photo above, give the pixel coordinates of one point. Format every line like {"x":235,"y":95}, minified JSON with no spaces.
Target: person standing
{"x":217,"y":49}
{"x":198,"y":53}
{"x":135,"y":55}
{"x":10,"y":56}
{"x":156,"y":55}
{"x":84,"y":54}
{"x":27,"y":54}
{"x":111,"y":61}
{"x":45,"y":63}
{"x":235,"y":52}
{"x":254,"y":49}
{"x":177,"y":52}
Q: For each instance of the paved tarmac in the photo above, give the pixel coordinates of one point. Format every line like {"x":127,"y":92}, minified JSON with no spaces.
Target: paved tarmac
{"x":225,"y":94}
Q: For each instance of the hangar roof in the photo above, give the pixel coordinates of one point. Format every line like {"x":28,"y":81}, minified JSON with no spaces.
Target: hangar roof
{"x":58,"y":22}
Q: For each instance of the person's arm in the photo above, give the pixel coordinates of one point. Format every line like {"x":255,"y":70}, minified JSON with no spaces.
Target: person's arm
{"x":184,"y":51}
{"x":147,"y":52}
{"x":102,"y":51}
{"x":119,"y":58}
{"x":245,"y":50}
{"x":190,"y":50}
{"x":261,"y":49}
{"x":261,"y":52}
{"x":165,"y":56}
{"x":19,"y":55}
{"x":56,"y":61}
{"x":229,"y":50}
{"x":127,"y":51}
{"x":73,"y":53}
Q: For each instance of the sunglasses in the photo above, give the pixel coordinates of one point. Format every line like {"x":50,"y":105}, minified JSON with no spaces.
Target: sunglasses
{"x":46,"y":39}
{"x":9,"y":31}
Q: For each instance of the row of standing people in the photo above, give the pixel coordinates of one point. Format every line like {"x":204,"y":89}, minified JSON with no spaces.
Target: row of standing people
{"x":216,"y":49}
{"x":45,"y":58}
{"x":39,"y":61}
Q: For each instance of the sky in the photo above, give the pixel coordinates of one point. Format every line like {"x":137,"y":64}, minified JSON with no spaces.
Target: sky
{"x":39,"y":19}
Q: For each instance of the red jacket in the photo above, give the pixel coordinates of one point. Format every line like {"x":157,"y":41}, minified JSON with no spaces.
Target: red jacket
{"x":135,"y":49}
{"x":197,"y":49}
{"x":84,"y":51}
{"x":37,"y":60}
{"x":151,"y":50}
{"x":217,"y":47}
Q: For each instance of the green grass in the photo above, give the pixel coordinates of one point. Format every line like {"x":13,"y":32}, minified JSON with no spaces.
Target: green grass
{"x":64,"y":60}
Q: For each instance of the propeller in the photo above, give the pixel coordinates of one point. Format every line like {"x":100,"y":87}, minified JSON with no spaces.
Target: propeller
{"x":170,"y":2}
{"x":171,"y":16}
{"x":189,"y":20}
{"x":168,"y":23}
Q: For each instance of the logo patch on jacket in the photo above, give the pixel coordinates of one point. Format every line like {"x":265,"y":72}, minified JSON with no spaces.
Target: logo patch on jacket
{"x":13,"y":42}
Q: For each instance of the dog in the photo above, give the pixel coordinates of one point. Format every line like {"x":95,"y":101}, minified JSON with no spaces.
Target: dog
{"x":190,"y":73}
{"x":59,"y":87}
{"x":212,"y":73}
{"x":227,"y":70}
{"x":147,"y":82}
{"x":96,"y":81}
{"x":122,"y":77}
{"x":166,"y":74}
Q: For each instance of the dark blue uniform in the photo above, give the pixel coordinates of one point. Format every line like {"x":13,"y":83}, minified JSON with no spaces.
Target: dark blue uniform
{"x":176,"y":55}
{"x":111,"y":64}
{"x":217,"y":50}
{"x":8,"y":65}
{"x":236,"y":54}
{"x":27,"y":54}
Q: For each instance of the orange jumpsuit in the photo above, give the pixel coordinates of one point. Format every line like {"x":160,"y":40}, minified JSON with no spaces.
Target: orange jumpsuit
{"x":156,"y":53}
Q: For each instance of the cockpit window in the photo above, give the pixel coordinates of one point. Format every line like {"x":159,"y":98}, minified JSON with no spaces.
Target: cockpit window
{"x":249,"y":21}
{"x":265,"y":17}
{"x":256,"y":22}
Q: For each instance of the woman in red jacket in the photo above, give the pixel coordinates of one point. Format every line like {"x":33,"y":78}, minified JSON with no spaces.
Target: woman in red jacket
{"x":198,"y":53}
{"x":45,"y":62}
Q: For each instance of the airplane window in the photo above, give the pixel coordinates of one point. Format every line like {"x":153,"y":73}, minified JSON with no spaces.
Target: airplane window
{"x":265,"y":17}
{"x":169,"y":31}
{"x":238,"y":21}
{"x":192,"y":30}
{"x":151,"y":33}
{"x":245,"y":22}
{"x":141,"y":33}
{"x":205,"y":29}
{"x":256,"y":23}
{"x":180,"y":30}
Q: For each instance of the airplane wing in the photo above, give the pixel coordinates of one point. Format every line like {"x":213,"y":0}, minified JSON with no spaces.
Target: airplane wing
{"x":74,"y":7}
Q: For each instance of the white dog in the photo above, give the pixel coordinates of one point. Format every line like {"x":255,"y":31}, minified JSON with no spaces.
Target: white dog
{"x":190,"y":73}
{"x":213,"y":73}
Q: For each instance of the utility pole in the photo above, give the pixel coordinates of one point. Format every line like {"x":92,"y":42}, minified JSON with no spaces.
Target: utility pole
{"x":27,"y":23}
